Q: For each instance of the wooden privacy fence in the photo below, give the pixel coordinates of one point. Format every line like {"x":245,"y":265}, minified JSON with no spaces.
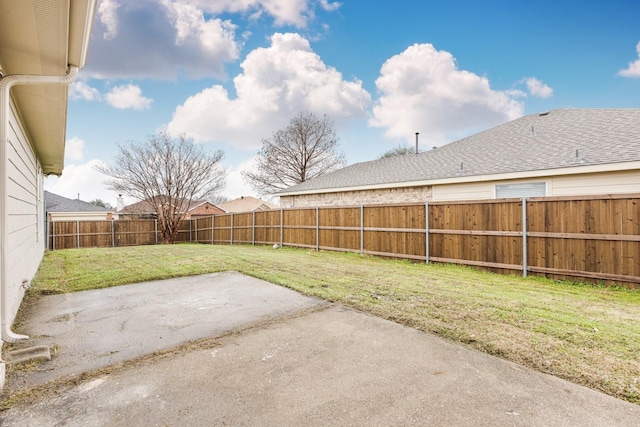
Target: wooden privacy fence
{"x":595,"y":237}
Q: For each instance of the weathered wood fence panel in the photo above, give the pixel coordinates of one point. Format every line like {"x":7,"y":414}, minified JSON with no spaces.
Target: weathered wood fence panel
{"x":484,"y":234}
{"x":135,"y":232}
{"x":300,"y":227}
{"x":267,"y":227}
{"x":222,"y":229}
{"x":339,"y":229}
{"x":202,"y":230}
{"x":596,"y":238}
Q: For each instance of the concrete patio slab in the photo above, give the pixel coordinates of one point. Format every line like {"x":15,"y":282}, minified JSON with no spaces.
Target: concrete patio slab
{"x":326,"y":366}
{"x":93,"y":329}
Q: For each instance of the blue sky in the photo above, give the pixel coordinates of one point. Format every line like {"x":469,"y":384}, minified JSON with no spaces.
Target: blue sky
{"x":228,"y":73}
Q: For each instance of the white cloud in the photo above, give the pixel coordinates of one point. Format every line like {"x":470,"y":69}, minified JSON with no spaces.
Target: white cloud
{"x":633,"y":70}
{"x":81,"y":179}
{"x":74,"y":150}
{"x":234,"y":185}
{"x":277,"y":83}
{"x":538,"y":88}
{"x":81,"y":90}
{"x":107,"y":12}
{"x":328,"y":6}
{"x":422,"y":90}
{"x":284,"y":12}
{"x":128,"y":96}
{"x":159,"y":39}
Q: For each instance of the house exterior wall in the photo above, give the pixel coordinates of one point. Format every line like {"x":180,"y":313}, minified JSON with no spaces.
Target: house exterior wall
{"x":362,"y":197}
{"x":619,"y":182}
{"x":616,"y":182}
{"x":205,"y":209}
{"x":25,"y":209}
{"x":80,"y":216}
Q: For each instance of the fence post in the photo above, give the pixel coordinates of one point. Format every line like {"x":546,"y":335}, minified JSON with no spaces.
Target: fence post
{"x":156,"y":229}
{"x":253,"y":229}
{"x":317,"y":228}
{"x":113,"y":234}
{"x":361,"y":229}
{"x":196,"y":220}
{"x":426,"y":233}
{"x":231,"y":229}
{"x":524,"y":237}
{"x":53,"y":235}
{"x":78,"y":233}
{"x":213,"y":230}
{"x":191,"y":230}
{"x":281,"y":226}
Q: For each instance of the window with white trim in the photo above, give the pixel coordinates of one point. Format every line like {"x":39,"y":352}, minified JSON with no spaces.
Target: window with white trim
{"x":528,"y":189}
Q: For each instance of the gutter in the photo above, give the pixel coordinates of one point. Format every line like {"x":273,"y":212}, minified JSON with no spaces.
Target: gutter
{"x":6,"y":83}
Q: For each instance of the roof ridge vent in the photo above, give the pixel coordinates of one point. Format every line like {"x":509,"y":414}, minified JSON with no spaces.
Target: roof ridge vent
{"x":544,"y":113}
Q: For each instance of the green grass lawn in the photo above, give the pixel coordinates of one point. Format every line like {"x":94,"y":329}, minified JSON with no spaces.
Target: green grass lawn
{"x":587,"y":334}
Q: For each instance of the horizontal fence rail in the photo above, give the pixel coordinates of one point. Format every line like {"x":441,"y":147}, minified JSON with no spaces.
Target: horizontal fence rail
{"x":594,"y":238}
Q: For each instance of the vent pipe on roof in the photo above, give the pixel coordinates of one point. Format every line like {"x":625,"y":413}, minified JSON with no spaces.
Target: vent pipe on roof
{"x":577,"y":160}
{"x":417,"y":133}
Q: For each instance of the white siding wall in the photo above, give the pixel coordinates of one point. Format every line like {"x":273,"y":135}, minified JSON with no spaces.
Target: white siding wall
{"x":618,"y":182}
{"x":464,"y":191}
{"x":80,"y":216}
{"x":596,"y":183}
{"x":25,"y":227}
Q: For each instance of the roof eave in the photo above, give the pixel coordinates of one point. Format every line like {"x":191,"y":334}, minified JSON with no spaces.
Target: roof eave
{"x":37,"y":46}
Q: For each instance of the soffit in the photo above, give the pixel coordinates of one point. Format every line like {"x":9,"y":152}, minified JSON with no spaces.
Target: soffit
{"x":35,"y":39}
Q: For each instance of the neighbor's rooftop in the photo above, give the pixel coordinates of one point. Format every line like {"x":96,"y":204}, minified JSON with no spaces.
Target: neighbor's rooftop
{"x":537,"y":142}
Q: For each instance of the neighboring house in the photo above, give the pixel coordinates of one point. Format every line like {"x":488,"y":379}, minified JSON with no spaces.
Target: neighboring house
{"x":42,"y":45}
{"x":246,"y":204}
{"x":145,"y":210}
{"x":59,"y":208}
{"x":556,"y":153}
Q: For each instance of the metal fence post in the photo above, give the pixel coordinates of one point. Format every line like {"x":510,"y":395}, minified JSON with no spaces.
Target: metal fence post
{"x":317,"y":228}
{"x":524,"y":237}
{"x":156,"y":230}
{"x":426,"y":233}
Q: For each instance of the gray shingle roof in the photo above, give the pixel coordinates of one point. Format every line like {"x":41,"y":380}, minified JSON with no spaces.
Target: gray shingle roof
{"x":56,"y":203}
{"x":536,"y":142}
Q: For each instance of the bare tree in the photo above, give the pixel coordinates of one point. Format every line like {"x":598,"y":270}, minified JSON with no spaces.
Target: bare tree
{"x":170,"y":173}
{"x":305,"y":149}
{"x":400,"y":150}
